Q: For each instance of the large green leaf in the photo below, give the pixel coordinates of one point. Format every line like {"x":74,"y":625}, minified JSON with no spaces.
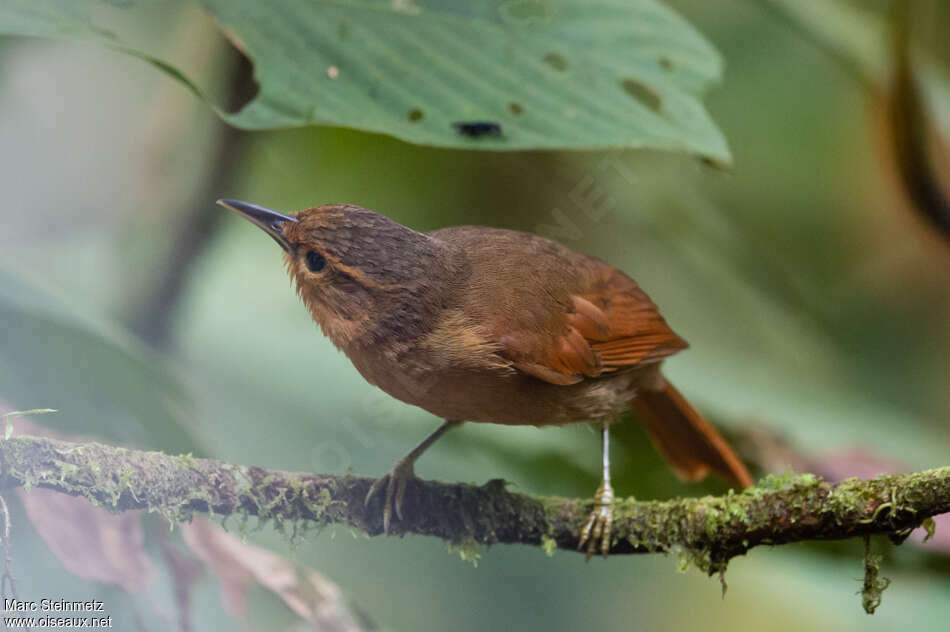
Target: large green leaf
{"x":574,"y":74}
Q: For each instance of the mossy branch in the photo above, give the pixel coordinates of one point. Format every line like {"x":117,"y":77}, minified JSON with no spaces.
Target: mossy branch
{"x":708,"y":531}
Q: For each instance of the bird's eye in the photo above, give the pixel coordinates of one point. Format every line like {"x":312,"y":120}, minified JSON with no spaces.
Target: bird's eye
{"x":315,"y":261}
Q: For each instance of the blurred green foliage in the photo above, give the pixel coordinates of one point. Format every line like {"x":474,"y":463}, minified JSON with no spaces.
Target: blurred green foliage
{"x":817,"y":306}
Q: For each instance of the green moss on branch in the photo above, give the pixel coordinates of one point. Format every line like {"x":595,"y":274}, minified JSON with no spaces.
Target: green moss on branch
{"x":705,"y":531}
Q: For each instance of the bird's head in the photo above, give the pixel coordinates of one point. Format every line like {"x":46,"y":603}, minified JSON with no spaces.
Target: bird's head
{"x":363,"y":276}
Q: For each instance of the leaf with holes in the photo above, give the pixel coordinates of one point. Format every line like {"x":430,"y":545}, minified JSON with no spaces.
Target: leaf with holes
{"x":553,"y":74}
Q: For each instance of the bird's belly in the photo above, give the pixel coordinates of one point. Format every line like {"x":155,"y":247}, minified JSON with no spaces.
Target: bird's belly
{"x":495,"y":394}
{"x":517,"y":399}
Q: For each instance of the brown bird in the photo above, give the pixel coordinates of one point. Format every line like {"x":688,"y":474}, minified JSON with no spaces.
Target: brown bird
{"x":489,"y":325}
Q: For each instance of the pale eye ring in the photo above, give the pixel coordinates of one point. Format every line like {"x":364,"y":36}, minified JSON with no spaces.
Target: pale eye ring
{"x":315,"y":261}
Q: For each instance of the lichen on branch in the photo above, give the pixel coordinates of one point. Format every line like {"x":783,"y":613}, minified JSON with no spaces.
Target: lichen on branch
{"x":708,"y":531}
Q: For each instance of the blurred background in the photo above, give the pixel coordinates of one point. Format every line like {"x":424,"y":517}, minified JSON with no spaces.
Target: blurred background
{"x":813,"y":292}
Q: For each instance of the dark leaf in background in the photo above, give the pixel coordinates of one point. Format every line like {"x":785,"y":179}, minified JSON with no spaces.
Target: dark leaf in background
{"x":239,"y":566}
{"x":89,"y":541}
{"x":103,"y":384}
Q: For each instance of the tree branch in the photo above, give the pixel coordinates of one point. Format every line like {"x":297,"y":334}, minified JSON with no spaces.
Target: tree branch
{"x":708,"y":531}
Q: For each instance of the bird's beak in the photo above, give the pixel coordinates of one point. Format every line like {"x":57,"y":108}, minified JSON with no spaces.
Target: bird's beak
{"x":270,"y":221}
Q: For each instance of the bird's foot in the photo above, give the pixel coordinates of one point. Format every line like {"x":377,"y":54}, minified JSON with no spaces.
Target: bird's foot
{"x":395,"y":482}
{"x":598,"y":525}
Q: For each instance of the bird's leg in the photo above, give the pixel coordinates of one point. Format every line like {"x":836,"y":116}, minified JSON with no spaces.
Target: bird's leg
{"x":396,"y":479}
{"x":599,"y":523}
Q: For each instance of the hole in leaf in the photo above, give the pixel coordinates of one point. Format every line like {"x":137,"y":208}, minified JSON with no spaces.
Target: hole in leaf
{"x":516,"y":108}
{"x":556,"y":61}
{"x":415,"y":115}
{"x":666,"y":63}
{"x":714,"y":163}
{"x":642,"y":93}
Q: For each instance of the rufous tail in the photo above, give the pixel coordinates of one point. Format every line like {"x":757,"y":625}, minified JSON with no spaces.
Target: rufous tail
{"x":689,"y":442}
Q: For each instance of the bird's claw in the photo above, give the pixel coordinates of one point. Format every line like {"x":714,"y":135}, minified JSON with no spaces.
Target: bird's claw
{"x":395,"y":481}
{"x":598,"y":525}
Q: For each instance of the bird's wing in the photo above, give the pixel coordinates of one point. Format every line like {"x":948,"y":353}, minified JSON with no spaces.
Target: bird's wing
{"x":609,"y":325}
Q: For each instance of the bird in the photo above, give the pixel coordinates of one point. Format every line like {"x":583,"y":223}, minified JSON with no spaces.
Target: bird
{"x":489,"y":325}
